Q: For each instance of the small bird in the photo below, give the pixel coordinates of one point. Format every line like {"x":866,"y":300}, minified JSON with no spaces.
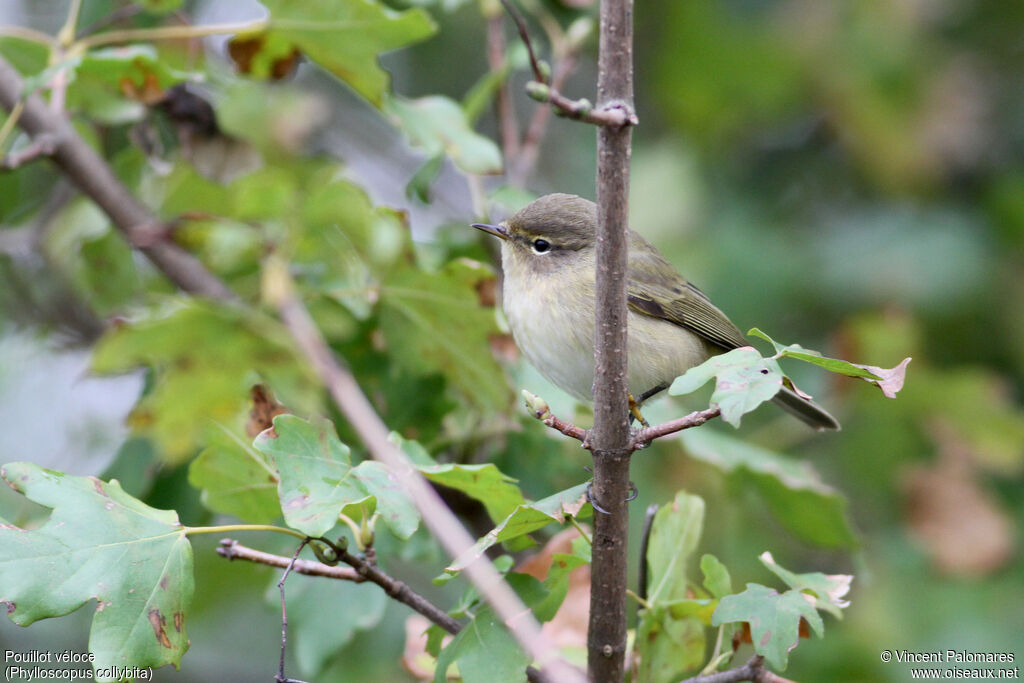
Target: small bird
{"x":548,"y":257}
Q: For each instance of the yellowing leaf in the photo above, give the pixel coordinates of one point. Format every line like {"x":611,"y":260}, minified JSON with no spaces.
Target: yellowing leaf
{"x":342,"y":36}
{"x":204,"y":359}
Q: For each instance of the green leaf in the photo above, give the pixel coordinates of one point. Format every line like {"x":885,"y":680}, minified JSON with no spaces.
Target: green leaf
{"x":235,"y":478}
{"x":393,"y":504}
{"x":315,"y":472}
{"x":318,"y":481}
{"x":792,"y":488}
{"x":668,"y":646}
{"x":323,"y":616}
{"x":99,"y":543}
{"x":485,"y":483}
{"x":827,"y":589}
{"x":344,"y":37}
{"x":716,"y":577}
{"x":556,"y":585}
{"x":485,"y":653}
{"x":745,"y":380}
{"x":526,"y":519}
{"x":774,"y":619}
{"x":434,"y":322}
{"x":438,"y":125}
{"x":674,"y":536}
{"x":27,"y":56}
{"x":889,"y":380}
{"x":205,"y":357}
{"x":418,"y":186}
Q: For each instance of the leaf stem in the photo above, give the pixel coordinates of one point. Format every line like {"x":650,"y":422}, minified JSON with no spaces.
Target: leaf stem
{"x":583,"y":533}
{"x":30,"y":34}
{"x":357,"y":532}
{"x":168,"y":33}
{"x":66,"y":35}
{"x":640,"y":601}
{"x":224,"y":528}
{"x":11,"y":122}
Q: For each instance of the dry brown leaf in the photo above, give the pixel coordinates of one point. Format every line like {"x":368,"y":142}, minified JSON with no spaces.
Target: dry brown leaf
{"x":954,"y":518}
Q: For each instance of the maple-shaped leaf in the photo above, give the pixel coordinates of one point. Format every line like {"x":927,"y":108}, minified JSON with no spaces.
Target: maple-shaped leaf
{"x":828,"y":589}
{"x":317,"y":480}
{"x":99,"y":544}
{"x":342,"y":36}
{"x":774,"y":619}
{"x":744,"y":380}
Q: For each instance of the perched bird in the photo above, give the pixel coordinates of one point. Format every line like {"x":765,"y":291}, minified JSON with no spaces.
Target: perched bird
{"x":548,"y":257}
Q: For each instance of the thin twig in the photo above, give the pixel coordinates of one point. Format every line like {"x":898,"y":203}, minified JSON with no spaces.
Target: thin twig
{"x":617,"y":114}
{"x":753,"y":670}
{"x":281,"y":678}
{"x":640,"y":439}
{"x":42,"y":146}
{"x":358,"y":571}
{"x":524,"y":35}
{"x":523,"y":164}
{"x":233,"y":550}
{"x":445,"y":527}
{"x":694,"y":419}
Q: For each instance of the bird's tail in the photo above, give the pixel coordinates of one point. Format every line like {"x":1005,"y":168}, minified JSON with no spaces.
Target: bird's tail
{"x":804,"y":409}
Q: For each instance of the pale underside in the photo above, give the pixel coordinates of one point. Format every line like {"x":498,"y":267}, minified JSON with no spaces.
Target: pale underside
{"x":561,"y":345}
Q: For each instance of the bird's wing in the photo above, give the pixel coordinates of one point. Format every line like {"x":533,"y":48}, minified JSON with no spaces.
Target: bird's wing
{"x":656,"y":289}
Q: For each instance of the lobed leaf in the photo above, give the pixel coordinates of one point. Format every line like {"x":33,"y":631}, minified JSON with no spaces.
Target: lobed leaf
{"x":204,"y":359}
{"x":99,"y":544}
{"x":317,"y":480}
{"x":235,"y":478}
{"x":744,"y":380}
{"x":774,"y":619}
{"x":827,"y":589}
{"x":342,"y":36}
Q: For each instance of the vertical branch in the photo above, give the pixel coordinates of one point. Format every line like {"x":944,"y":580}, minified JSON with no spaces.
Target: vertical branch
{"x":610,"y":437}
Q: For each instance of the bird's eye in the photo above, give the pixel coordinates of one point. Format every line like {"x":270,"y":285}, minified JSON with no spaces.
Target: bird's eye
{"x":540,"y":246}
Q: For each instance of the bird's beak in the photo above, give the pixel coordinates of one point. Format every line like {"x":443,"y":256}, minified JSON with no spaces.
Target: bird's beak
{"x":499,"y":231}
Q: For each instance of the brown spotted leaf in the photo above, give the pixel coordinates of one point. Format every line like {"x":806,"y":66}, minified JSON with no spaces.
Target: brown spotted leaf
{"x":99,"y":544}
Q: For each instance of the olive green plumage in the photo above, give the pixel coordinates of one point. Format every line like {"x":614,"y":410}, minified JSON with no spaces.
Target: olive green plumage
{"x":548,"y":258}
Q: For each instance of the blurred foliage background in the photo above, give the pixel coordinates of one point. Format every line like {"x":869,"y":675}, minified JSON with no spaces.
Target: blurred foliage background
{"x":846,"y":174}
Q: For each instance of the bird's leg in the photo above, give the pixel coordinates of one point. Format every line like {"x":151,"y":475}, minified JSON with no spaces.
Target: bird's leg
{"x":634,"y":411}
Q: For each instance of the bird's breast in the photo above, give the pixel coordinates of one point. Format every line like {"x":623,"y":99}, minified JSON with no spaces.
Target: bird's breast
{"x":553,"y":326}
